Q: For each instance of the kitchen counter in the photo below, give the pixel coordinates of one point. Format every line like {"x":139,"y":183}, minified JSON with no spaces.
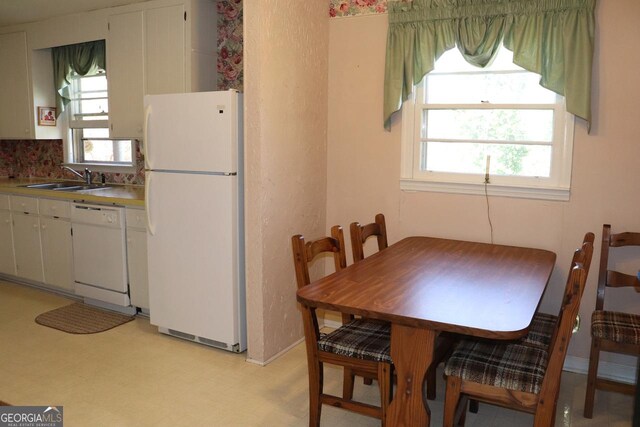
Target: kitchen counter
{"x":126,"y":195}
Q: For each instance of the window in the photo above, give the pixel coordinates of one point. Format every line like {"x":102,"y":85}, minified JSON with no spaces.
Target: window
{"x":465,"y":121}
{"x":88,"y":124}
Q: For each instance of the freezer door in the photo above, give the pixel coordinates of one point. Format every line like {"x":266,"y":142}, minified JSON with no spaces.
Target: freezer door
{"x":192,"y":247}
{"x":192,"y":131}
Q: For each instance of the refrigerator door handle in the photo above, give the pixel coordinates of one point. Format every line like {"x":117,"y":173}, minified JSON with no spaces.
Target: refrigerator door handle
{"x":145,"y":135}
{"x":147,"y":190}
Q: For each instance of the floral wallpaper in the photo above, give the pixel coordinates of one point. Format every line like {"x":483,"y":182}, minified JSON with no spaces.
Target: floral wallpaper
{"x":41,"y":159}
{"x":230,"y":64}
{"x":341,"y":8}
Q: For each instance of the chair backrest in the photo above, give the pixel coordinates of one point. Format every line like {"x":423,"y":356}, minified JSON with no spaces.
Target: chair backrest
{"x":611,"y":278}
{"x":360,"y":233}
{"x":568,"y":312}
{"x":304,"y":253}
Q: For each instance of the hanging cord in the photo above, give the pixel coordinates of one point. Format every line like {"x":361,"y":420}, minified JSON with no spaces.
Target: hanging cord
{"x":486,"y":196}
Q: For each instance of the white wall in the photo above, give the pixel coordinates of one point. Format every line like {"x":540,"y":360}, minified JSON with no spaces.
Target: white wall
{"x":364,"y":160}
{"x":286,"y":50}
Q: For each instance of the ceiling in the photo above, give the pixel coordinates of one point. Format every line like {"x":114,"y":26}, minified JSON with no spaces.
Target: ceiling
{"x":21,"y":11}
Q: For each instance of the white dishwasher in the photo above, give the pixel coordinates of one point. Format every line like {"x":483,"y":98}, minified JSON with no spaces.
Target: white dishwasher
{"x":100,"y":255}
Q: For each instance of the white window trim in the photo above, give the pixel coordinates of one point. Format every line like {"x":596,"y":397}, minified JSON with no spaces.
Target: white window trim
{"x":534,"y":188}
{"x":96,"y":167}
{"x":69,"y":147}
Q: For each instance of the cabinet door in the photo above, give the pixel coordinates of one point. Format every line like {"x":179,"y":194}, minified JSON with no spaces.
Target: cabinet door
{"x":125,"y":74}
{"x":57,"y":254}
{"x":137,"y":261}
{"x":7,"y":259}
{"x":165,"y":50}
{"x":26,"y":238}
{"x":15,"y":110}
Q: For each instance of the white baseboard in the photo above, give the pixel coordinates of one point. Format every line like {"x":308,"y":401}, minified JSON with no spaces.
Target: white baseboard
{"x":271,"y":359}
{"x":608,"y":370}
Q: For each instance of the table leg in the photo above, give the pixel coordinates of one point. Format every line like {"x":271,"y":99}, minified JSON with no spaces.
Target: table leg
{"x":412,"y":354}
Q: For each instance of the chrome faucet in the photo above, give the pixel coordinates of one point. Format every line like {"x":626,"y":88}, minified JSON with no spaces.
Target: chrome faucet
{"x":86,"y":176}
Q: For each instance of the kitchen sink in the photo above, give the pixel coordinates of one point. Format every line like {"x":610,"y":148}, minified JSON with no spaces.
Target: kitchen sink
{"x":67,"y":186}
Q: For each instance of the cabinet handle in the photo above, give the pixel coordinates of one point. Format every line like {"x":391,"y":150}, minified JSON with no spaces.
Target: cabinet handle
{"x":44,"y":226}
{"x":35,"y":225}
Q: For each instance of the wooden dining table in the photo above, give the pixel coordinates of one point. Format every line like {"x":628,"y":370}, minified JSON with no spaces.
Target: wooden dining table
{"x":424,"y":286}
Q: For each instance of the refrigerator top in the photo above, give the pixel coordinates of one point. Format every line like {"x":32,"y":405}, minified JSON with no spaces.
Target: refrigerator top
{"x":197,"y":132}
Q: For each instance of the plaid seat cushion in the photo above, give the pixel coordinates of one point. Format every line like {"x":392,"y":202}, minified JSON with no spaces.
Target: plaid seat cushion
{"x":615,"y":326}
{"x":361,"y":339}
{"x":509,"y":366}
{"x":541,"y":330}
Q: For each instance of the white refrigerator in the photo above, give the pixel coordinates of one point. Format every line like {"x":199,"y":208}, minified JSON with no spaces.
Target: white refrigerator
{"x":194,"y":201}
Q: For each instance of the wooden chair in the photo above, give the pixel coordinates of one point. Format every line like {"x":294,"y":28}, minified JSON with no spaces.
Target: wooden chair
{"x":360,"y":346}
{"x":360,"y":234}
{"x":516,"y":375}
{"x":612,"y":331}
{"x":378,"y":228}
{"x":543,"y":324}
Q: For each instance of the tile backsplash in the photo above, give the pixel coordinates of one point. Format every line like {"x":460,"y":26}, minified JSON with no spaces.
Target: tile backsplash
{"x":42,"y":158}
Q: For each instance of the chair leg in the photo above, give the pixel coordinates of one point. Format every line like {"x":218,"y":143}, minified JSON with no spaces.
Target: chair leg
{"x":384,"y":382}
{"x":315,"y":391}
{"x":592,"y":377}
{"x":451,"y":398}
{"x":545,"y":415}
{"x":347,"y":384}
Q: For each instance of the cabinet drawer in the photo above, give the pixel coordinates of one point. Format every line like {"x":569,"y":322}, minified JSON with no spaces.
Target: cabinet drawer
{"x":136,"y":218}
{"x":59,"y":208}
{"x":4,"y":201}
{"x":24,"y":204}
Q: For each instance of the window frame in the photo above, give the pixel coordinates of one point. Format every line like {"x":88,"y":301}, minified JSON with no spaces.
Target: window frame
{"x":555,"y":187}
{"x":74,"y":151}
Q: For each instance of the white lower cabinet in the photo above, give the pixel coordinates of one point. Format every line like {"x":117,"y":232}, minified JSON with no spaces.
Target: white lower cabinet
{"x":41,"y":241}
{"x":26,"y":244}
{"x":7,"y":259}
{"x":55,"y":235}
{"x":36,"y":244}
{"x":137,"y":258}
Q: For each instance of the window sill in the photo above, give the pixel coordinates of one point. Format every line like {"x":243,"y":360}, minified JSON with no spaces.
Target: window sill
{"x":101,"y":167}
{"x":540,"y":193}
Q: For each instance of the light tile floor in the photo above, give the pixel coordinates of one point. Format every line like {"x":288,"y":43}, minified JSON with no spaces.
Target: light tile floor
{"x":133,"y":376}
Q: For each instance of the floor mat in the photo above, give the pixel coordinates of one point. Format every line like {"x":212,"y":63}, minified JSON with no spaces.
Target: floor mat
{"x":79,"y":318}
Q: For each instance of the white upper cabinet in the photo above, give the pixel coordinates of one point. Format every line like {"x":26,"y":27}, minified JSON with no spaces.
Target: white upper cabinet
{"x":15,"y":110}
{"x":164,"y":47}
{"x":125,"y":67}
{"x":153,"y":47}
{"x":165,"y":50}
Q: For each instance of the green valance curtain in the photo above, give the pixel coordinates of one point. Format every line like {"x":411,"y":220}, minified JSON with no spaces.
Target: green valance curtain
{"x":85,"y":59}
{"x":553,"y":38}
